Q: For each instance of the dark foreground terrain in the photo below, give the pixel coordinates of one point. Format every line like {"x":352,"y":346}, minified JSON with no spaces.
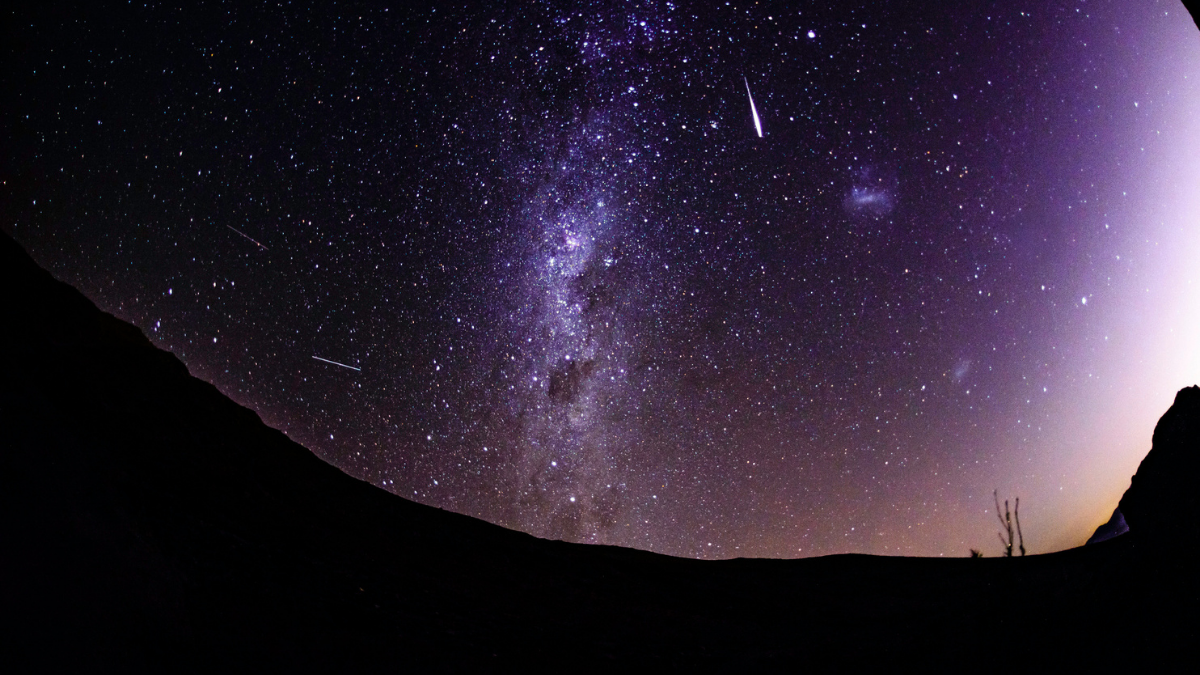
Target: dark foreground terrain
{"x":149,"y":522}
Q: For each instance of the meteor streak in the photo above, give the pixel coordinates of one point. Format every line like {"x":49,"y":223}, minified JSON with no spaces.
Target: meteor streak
{"x":753,"y":110}
{"x":337,"y":364}
{"x":251,"y":238}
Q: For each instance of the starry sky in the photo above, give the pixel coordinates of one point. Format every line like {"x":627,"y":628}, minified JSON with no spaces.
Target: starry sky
{"x":544,"y":263}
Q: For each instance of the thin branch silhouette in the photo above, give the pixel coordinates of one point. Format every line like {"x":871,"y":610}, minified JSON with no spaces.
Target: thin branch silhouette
{"x":1006,"y":522}
{"x":1017,"y":517}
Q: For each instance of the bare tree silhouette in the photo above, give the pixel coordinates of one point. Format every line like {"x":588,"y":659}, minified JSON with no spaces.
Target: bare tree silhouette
{"x":1007,"y":521}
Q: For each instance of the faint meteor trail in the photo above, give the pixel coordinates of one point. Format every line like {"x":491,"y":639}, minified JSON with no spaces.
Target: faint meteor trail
{"x":255,"y":240}
{"x":337,"y":364}
{"x":753,"y":110}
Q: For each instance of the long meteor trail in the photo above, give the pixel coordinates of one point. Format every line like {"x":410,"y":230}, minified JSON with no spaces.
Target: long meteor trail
{"x":255,"y":240}
{"x":337,"y":364}
{"x":753,"y":110}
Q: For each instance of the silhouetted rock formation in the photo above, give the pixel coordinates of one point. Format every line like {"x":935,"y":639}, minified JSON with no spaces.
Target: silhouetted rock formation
{"x":1115,"y":527}
{"x":1161,"y":502}
{"x":148,"y":522}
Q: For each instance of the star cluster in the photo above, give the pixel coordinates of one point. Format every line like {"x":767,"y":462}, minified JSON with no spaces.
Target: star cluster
{"x":544,"y":265}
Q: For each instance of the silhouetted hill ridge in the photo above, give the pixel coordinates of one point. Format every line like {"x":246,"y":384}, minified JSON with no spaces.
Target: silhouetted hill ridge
{"x":1162,"y":499}
{"x":152,"y":522}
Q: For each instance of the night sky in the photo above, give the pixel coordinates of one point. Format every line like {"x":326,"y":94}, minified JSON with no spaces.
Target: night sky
{"x":546,"y":264}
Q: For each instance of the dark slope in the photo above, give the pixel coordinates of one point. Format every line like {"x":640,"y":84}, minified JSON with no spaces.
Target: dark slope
{"x":148,"y":520}
{"x":1162,"y":499}
{"x":1115,"y":527}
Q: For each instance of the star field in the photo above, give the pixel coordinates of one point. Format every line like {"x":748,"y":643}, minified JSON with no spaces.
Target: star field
{"x":545,"y":265}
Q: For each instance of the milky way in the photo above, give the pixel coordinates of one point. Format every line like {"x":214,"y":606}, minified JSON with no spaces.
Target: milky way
{"x":558,"y":267}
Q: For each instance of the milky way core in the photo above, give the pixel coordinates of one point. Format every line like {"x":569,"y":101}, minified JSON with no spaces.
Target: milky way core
{"x":537,"y":264}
